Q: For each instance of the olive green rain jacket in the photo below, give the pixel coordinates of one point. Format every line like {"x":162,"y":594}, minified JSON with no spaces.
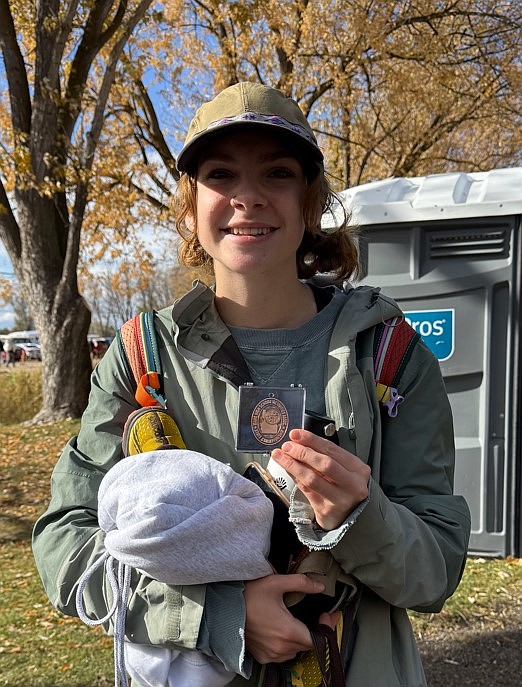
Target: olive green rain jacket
{"x":407,"y":545}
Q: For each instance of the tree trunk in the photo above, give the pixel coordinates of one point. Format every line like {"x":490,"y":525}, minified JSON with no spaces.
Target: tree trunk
{"x":61,"y":316}
{"x":66,"y":363}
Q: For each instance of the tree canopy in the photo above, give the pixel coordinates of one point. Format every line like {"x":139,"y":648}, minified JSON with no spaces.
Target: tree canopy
{"x":95,"y":96}
{"x":393,"y":89}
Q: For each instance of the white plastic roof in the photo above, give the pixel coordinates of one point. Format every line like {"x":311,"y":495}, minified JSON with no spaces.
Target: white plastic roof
{"x":434,"y":197}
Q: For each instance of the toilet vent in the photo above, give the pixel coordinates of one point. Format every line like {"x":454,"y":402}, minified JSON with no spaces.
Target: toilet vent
{"x":492,"y":243}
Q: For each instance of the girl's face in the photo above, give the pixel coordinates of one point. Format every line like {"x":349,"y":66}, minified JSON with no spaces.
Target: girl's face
{"x":249,"y":204}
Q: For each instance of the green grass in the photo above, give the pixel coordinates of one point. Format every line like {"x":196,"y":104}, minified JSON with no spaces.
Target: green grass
{"x":40,"y":647}
{"x":20,"y":393}
{"x":489,"y":591}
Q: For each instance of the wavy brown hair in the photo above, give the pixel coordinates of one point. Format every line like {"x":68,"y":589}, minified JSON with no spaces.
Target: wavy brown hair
{"x":334,"y":251}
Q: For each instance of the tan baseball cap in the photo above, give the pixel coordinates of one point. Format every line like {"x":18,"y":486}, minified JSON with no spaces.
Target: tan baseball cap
{"x":247,"y":104}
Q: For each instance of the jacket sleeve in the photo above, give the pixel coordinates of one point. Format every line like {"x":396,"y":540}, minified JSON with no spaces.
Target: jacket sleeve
{"x":408,"y":542}
{"x":67,"y":538}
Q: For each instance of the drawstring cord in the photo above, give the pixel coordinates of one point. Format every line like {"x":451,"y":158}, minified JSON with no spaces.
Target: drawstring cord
{"x":120,"y":586}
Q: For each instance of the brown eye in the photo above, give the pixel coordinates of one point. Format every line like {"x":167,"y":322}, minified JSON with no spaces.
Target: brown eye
{"x":218,"y":174}
{"x":282,"y":173}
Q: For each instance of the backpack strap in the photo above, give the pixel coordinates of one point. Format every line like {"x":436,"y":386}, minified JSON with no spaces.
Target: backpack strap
{"x":139,"y":347}
{"x":393,"y":343}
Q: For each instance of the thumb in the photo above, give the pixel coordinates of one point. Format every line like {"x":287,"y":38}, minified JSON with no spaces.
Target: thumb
{"x":299,"y":582}
{"x":330,"y":619}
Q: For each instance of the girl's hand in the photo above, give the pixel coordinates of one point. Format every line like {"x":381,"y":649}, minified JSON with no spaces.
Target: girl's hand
{"x":273,"y":635}
{"x":333,"y":480}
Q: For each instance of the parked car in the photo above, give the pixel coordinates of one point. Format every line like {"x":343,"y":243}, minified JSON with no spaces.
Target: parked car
{"x":32,"y":350}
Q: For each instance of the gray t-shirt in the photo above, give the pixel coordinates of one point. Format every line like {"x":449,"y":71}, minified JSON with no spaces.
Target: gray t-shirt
{"x":281,"y":357}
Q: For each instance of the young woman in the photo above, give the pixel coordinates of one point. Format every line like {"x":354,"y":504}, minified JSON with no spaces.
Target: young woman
{"x":249,"y":206}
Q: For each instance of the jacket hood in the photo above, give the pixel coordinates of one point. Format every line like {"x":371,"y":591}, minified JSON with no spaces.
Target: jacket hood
{"x":368,"y":307}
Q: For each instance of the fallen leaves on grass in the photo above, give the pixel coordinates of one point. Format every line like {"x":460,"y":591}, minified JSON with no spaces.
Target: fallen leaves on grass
{"x":488,"y":599}
{"x":27,"y":457}
{"x":38,"y":645}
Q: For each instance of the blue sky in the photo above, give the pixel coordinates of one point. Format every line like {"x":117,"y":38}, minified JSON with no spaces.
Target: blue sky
{"x":6,"y":312}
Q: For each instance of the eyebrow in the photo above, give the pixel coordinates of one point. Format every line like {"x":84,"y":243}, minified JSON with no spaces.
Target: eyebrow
{"x":265,"y":157}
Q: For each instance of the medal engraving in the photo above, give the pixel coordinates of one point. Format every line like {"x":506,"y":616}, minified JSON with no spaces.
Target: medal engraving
{"x":270,"y":421}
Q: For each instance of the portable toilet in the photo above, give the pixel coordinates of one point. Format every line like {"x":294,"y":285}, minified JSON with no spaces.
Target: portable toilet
{"x":447,"y":248}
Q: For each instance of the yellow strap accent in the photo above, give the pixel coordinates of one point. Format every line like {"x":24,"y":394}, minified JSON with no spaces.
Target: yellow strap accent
{"x":383,"y":392}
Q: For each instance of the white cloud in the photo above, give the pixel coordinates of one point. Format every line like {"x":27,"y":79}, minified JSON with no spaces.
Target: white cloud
{"x":6,"y":319}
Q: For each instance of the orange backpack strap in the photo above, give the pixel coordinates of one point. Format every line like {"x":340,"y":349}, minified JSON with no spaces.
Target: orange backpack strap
{"x":393,"y":343}
{"x":137,"y":342}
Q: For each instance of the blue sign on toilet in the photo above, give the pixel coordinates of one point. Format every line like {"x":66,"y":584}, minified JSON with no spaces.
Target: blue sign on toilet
{"x":437,"y":328}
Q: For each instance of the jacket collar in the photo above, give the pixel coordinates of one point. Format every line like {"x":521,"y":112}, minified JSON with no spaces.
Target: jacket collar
{"x":202,"y":337}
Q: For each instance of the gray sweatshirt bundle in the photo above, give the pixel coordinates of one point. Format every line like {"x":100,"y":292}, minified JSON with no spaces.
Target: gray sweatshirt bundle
{"x":182,"y":518}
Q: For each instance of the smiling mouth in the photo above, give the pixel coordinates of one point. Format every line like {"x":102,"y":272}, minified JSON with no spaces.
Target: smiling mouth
{"x":250,"y":231}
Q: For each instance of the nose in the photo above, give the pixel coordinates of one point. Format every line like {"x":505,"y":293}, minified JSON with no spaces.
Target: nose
{"x":248,"y":194}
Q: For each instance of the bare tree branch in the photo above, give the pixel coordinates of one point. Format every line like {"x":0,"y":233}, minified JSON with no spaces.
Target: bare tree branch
{"x":19,"y":95}
{"x":9,"y":229}
{"x":94,"y":37}
{"x":157,"y":139}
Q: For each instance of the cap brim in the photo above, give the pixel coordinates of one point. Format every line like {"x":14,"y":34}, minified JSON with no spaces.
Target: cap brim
{"x":188,"y":157}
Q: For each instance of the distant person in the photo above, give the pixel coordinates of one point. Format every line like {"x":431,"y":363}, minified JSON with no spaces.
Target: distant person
{"x":9,"y":353}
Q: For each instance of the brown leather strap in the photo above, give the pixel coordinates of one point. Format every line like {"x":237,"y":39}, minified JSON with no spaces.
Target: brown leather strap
{"x":328,"y":656}
{"x":326,"y":649}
